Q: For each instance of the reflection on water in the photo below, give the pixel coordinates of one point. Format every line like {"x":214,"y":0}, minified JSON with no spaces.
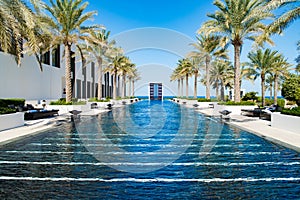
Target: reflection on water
{"x":173,"y":161}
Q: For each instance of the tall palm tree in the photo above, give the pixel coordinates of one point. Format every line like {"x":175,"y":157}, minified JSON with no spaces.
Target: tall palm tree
{"x":281,"y":69}
{"x":124,"y":71}
{"x":237,"y":20}
{"x":114,"y":67}
{"x":260,"y":64}
{"x":196,"y":64}
{"x":133,"y":76}
{"x":186,"y":69}
{"x":270,"y":83}
{"x":177,"y":76}
{"x":208,"y":47}
{"x":220,"y":75}
{"x":97,"y":48}
{"x":65,"y":21}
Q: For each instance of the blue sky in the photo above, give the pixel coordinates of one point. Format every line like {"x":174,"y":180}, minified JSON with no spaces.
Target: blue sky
{"x":126,"y":19}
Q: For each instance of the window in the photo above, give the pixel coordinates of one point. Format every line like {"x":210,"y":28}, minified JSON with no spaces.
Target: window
{"x":45,"y":58}
{"x":56,"y":57}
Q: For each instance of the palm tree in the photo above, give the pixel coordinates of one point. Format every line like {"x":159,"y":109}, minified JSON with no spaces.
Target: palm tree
{"x":17,"y":22}
{"x":237,"y":20}
{"x":114,"y":67}
{"x":261,"y":63}
{"x":66,"y":24}
{"x":220,"y":75}
{"x":177,"y":76}
{"x":196,"y":63}
{"x":286,"y":18}
{"x":133,"y":76}
{"x":97,"y":48}
{"x":270,"y":83}
{"x":208,"y":47}
{"x":186,"y":68}
{"x":124,"y":70}
{"x":280,"y":70}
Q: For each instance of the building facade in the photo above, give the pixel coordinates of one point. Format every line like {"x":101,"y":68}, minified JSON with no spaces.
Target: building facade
{"x":29,"y":82}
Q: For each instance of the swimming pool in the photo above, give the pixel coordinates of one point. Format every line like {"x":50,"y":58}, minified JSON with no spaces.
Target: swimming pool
{"x":148,"y":150}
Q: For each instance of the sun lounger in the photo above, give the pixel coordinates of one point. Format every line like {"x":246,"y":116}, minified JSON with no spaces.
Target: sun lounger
{"x":262,"y":113}
{"x":38,"y":114}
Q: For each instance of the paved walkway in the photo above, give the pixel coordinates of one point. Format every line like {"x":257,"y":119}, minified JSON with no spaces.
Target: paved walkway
{"x":30,"y":128}
{"x":33,"y":127}
{"x":261,"y":128}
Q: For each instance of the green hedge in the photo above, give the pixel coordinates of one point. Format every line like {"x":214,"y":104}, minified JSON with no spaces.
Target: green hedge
{"x":294,"y":111}
{"x":4,"y":103}
{"x":16,"y":102}
{"x":206,"y":100}
{"x":242,"y":103}
{"x":96,"y":100}
{"x":269,"y":102}
{"x":62,"y":101}
{"x":4,"y":110}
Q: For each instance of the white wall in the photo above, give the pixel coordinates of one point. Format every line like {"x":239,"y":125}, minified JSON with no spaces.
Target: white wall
{"x":286,"y":122}
{"x":13,"y":120}
{"x":28,"y":82}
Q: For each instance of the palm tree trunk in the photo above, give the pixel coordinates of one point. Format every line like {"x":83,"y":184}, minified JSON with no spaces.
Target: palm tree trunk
{"x":129,"y":88}
{"x":187,"y":86}
{"x":195,"y":85}
{"x":275,"y":89}
{"x":217,"y":91}
{"x":178,"y":87}
{"x":115,"y":85}
{"x":123,"y":86}
{"x":237,"y":72}
{"x":271,"y":91}
{"x":207,"y":68}
{"x":68,"y":73}
{"x":132,"y":88}
{"x":99,"y":78}
{"x":222,"y":91}
{"x":263,"y":90}
{"x":181,"y":95}
{"x":119,"y":86}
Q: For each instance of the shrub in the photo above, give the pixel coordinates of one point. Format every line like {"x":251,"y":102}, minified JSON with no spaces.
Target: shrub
{"x":61,"y":101}
{"x":16,"y":102}
{"x":6,"y":110}
{"x":250,"y":96}
{"x":293,"y":111}
{"x":101,"y":100}
{"x":242,"y":103}
{"x":268,"y":102}
{"x":291,"y":89}
{"x":207,"y":100}
{"x":280,"y":102}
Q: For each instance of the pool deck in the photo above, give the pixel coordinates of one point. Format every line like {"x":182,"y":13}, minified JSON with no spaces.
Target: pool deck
{"x":33,"y":127}
{"x":30,"y":128}
{"x":256,"y":126}
{"x":261,"y":128}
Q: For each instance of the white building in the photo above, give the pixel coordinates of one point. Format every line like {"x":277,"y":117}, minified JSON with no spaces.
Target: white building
{"x":231,"y":94}
{"x":30,"y":83}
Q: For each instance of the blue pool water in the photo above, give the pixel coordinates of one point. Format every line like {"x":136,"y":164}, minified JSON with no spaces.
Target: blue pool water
{"x":148,"y":150}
